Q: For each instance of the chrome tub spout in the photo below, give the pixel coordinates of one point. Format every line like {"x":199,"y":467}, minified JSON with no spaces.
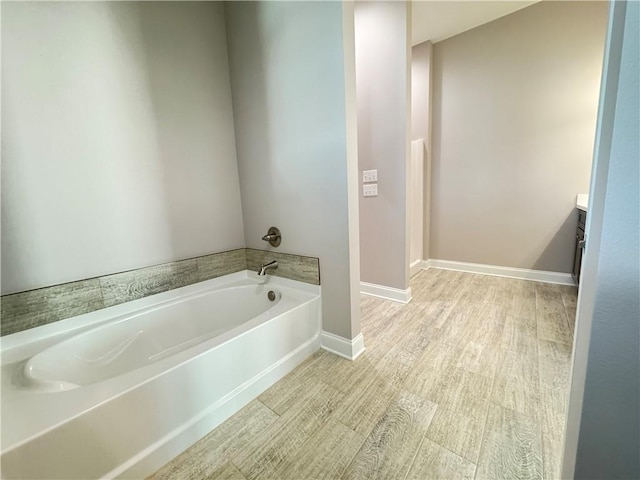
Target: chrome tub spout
{"x":266,"y":266}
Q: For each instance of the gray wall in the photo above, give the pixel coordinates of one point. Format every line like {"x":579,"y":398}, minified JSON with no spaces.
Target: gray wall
{"x":288,"y":82}
{"x":383,"y":96}
{"x":118,"y":144}
{"x":608,"y":442}
{"x":514,"y":115}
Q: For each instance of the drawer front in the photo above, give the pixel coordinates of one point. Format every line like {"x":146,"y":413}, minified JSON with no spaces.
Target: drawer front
{"x":582,"y":219}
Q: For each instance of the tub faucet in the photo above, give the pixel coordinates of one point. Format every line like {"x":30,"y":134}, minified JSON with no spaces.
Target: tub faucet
{"x":265,"y":266}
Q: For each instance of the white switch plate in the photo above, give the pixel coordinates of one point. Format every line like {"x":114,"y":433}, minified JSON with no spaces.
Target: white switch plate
{"x":370,"y":176}
{"x":370,"y":190}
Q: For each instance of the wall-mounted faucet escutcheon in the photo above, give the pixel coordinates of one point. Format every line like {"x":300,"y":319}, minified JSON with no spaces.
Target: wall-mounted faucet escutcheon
{"x":273,"y":237}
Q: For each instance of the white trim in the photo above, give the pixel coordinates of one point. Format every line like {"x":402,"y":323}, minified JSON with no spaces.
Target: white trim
{"x":509,"y":272}
{"x":415,"y":267}
{"x":349,"y":349}
{"x":419,"y":265}
{"x":388,"y":293}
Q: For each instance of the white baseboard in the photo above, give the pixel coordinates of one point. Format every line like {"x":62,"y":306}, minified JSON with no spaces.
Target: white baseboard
{"x":349,"y":349}
{"x":415,"y":267}
{"x":418,"y":266}
{"x":388,"y":293}
{"x":509,"y":272}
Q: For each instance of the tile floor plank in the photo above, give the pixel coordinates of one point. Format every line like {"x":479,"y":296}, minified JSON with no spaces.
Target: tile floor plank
{"x":226,"y":472}
{"x":480,"y":359}
{"x":346,"y":374}
{"x":555,"y":369}
{"x":362,"y":409}
{"x":288,"y":391}
{"x":516,"y":385}
{"x":522,"y":303}
{"x":511,"y":447}
{"x":278,"y":443}
{"x":388,"y":451}
{"x":555,"y":365}
{"x":462,"y":400}
{"x":552,"y":441}
{"x":551,"y":315}
{"x":377,"y":310}
{"x":325,"y":455}
{"x":436,"y":359}
{"x":443,"y":286}
{"x":520,"y":334}
{"x":215,"y":449}
{"x":434,"y":461}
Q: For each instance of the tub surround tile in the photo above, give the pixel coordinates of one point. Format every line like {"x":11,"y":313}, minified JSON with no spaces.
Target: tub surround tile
{"x":124,"y":287}
{"x":293,"y":267}
{"x":21,"y":311}
{"x":219,"y":264}
{"x":25,"y":310}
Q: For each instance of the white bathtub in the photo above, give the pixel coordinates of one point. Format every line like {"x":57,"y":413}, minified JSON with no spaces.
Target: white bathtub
{"x":119,"y":392}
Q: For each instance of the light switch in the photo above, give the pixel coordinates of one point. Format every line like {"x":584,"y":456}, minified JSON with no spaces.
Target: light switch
{"x":370,"y":190}
{"x":370,"y":176}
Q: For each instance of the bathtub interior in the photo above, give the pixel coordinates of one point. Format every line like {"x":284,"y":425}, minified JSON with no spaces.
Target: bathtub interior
{"x":30,"y":412}
{"x":132,"y":342}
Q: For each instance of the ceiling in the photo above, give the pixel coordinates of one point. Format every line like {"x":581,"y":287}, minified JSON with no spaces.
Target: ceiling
{"x":441,"y":19}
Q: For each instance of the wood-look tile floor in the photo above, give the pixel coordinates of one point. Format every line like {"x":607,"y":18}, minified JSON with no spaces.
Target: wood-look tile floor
{"x":469,"y":380}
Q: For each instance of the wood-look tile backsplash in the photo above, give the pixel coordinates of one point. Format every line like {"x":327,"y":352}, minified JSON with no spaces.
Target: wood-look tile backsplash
{"x":24,"y":310}
{"x":294,"y":267}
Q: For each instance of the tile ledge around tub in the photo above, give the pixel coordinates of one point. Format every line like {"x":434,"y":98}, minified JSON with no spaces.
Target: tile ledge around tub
{"x":58,"y":302}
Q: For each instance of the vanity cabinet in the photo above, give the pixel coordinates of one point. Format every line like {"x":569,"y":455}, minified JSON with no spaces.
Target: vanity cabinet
{"x":577,"y":260}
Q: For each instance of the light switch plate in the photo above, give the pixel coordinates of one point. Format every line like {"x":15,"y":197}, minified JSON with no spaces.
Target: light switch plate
{"x":370,"y":190}
{"x":370,"y":176}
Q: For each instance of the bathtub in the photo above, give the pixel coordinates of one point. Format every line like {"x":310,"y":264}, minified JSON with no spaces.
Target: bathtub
{"x":118,"y":392}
